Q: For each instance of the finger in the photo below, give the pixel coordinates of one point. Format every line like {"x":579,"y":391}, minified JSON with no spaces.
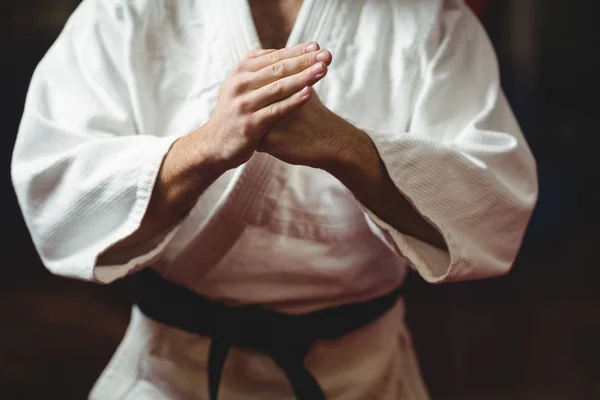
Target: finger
{"x":288,"y":67}
{"x":286,"y":87}
{"x":258,"y":52}
{"x":275,"y":111}
{"x":264,"y":60}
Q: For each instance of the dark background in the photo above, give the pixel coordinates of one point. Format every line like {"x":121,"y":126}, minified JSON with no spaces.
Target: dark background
{"x":534,"y":334}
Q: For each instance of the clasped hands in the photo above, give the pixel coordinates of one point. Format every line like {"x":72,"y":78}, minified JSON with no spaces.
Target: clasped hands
{"x":267,"y":104}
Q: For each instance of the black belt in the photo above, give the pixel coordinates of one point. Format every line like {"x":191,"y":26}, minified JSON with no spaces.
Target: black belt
{"x":285,"y":338}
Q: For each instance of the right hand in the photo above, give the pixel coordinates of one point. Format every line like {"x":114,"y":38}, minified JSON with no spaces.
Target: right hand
{"x":264,"y":87}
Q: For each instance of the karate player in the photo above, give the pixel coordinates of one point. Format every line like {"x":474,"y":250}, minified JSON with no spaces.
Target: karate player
{"x":269,"y":171}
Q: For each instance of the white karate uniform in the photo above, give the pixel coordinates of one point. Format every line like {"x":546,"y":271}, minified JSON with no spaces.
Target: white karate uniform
{"x":126,"y":78}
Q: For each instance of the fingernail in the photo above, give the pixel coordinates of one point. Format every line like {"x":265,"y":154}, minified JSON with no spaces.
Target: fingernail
{"x":323,"y":56}
{"x":311,"y":47}
{"x":304,"y":92}
{"x":317,"y":69}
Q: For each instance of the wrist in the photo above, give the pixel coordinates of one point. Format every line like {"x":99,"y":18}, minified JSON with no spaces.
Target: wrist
{"x":206,"y":156}
{"x":355,"y":156}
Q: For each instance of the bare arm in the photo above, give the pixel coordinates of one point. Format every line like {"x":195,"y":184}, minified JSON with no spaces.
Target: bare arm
{"x":363,"y":172}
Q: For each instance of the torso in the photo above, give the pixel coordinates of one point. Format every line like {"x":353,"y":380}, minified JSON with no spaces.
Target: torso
{"x":290,"y":237}
{"x":274,"y":20}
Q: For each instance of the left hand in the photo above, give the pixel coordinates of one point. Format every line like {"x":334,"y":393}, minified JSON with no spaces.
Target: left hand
{"x":313,"y":136}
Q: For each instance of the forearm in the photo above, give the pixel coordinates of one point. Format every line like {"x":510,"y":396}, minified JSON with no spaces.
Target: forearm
{"x":360,"y":168}
{"x":188,"y":169}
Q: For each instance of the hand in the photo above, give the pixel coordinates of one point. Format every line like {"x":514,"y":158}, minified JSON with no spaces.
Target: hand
{"x":264,"y":87}
{"x":314,"y":136}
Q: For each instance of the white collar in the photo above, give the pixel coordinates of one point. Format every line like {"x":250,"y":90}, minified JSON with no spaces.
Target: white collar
{"x":241,"y":35}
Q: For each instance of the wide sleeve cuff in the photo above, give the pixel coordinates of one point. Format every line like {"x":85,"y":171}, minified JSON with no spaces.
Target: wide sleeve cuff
{"x":107,"y":269}
{"x":455,"y":195}
{"x":433,"y":264}
{"x":135,"y":259}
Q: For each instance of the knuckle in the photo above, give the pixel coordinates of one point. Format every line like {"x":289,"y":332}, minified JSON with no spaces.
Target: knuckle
{"x":247,"y":127}
{"x":239,"y":86}
{"x":239,"y":67}
{"x":278,"y":69}
{"x":273,"y":110}
{"x":304,"y":78}
{"x":276,"y":88}
{"x":253,"y":53}
{"x":275,"y":57}
{"x":308,"y":61}
{"x":240,"y":106}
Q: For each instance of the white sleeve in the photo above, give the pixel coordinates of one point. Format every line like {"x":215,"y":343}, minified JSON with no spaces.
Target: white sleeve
{"x":463,"y":164}
{"x":82,"y":173}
